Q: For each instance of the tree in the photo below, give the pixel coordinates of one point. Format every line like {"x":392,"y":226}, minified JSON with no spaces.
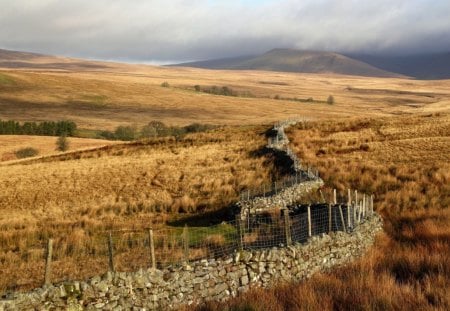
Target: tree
{"x":330,"y":100}
{"x":61,"y":143}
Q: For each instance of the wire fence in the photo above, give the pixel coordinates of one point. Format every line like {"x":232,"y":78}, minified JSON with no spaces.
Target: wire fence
{"x":132,"y":250}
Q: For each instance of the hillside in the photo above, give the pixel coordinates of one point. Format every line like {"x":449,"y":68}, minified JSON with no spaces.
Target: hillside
{"x":421,"y":66}
{"x":289,"y":60}
{"x":103,"y":95}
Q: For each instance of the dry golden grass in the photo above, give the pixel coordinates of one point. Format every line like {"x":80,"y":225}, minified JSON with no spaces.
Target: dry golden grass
{"x":45,"y":145}
{"x":119,"y":94}
{"x":75,"y":197}
{"x":405,"y":161}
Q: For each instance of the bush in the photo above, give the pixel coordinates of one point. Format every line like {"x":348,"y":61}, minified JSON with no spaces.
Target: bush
{"x":61,"y":143}
{"x":26,"y":152}
{"x":165,"y":84}
{"x":125,"y":133}
{"x":330,"y":100}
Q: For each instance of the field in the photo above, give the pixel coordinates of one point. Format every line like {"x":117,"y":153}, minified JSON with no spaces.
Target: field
{"x":118,"y":94}
{"x":45,"y":145}
{"x":389,"y":137}
{"x":77,"y":196}
{"x":409,"y":172}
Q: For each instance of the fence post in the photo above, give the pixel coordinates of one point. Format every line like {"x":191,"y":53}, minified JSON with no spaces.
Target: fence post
{"x":48,"y":263}
{"x":364,"y":206}
{"x":287,"y":227}
{"x":334,"y":196}
{"x":349,"y":203}
{"x":264,"y":187}
{"x":342,"y":218}
{"x":309,"y":221}
{"x":275,"y":183}
{"x":239,"y":232}
{"x":371,"y":205}
{"x":248,"y":194}
{"x":152,"y":249}
{"x":329,"y":218}
{"x":186,"y":242}
{"x":111,"y":252}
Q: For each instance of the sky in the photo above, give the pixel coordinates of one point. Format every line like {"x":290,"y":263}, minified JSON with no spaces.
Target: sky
{"x":165,"y":31}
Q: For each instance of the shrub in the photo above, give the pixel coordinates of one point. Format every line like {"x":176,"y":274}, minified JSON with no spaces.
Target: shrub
{"x":26,"y":152}
{"x":197,"y":88}
{"x":165,"y":84}
{"x":61,"y":143}
{"x":125,"y":133}
{"x":330,"y":100}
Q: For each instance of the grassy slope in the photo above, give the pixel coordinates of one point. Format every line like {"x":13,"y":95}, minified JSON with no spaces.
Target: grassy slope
{"x":75,"y":197}
{"x":409,"y":267}
{"x":45,"y":145}
{"x":131,"y":94}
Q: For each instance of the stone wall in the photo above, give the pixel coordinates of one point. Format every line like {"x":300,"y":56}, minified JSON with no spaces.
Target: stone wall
{"x":193,"y":283}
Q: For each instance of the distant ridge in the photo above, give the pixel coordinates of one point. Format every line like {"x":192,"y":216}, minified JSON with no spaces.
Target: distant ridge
{"x":290,"y":60}
{"x":421,"y":66}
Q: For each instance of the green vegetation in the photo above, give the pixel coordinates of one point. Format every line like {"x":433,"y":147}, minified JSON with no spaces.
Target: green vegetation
{"x":6,"y":80}
{"x":26,"y":152}
{"x":330,"y":100}
{"x":152,"y":130}
{"x":62,"y":144}
{"x":222,"y":90}
{"x":165,"y":84}
{"x":46,"y":128}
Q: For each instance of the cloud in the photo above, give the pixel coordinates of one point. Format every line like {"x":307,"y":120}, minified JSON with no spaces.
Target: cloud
{"x":146,"y":30}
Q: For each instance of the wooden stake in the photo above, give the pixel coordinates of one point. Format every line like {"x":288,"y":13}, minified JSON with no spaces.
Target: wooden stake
{"x":334,"y":196}
{"x":342,"y":218}
{"x":111,"y":252}
{"x":186,"y":242}
{"x":239,"y":232}
{"x":152,"y":249}
{"x":287,"y":228}
{"x":309,"y":221}
{"x":349,"y":203}
{"x":48,"y":263}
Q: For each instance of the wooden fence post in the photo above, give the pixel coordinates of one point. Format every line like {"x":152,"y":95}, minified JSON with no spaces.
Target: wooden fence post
{"x":48,"y":263}
{"x":371,"y":205}
{"x":152,"y":249}
{"x":334,"y":196}
{"x":349,"y":203}
{"x":329,"y":218}
{"x":111,"y":252}
{"x":287,"y":227}
{"x":264,"y":187}
{"x":309,"y":221}
{"x":342,"y":218}
{"x":186,"y":242}
{"x":239,"y":232}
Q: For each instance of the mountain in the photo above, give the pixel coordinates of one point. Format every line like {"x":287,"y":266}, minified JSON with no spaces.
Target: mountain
{"x":290,"y":60}
{"x":17,"y":59}
{"x":423,"y":66}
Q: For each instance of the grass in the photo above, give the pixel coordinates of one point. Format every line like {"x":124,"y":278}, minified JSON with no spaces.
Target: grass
{"x":409,"y":172}
{"x":45,"y":145}
{"x":76,"y":197}
{"x":131,"y":94}
{"x":6,"y":79}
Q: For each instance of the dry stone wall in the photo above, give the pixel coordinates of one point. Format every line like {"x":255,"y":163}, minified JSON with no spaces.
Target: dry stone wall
{"x":212,"y":279}
{"x":196,"y":282}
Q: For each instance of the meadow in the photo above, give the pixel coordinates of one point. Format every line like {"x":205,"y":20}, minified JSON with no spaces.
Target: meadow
{"x":77,"y":196}
{"x":405,"y":162}
{"x":389,"y":137}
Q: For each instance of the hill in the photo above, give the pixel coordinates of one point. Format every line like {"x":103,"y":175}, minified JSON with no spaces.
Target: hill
{"x":289,"y":60}
{"x":422,"y":66}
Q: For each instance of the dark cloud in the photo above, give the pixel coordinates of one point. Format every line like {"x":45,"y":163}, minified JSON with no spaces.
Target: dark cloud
{"x":156,"y":30}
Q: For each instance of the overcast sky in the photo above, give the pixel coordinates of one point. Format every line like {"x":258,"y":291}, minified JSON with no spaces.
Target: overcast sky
{"x":180,"y":30}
